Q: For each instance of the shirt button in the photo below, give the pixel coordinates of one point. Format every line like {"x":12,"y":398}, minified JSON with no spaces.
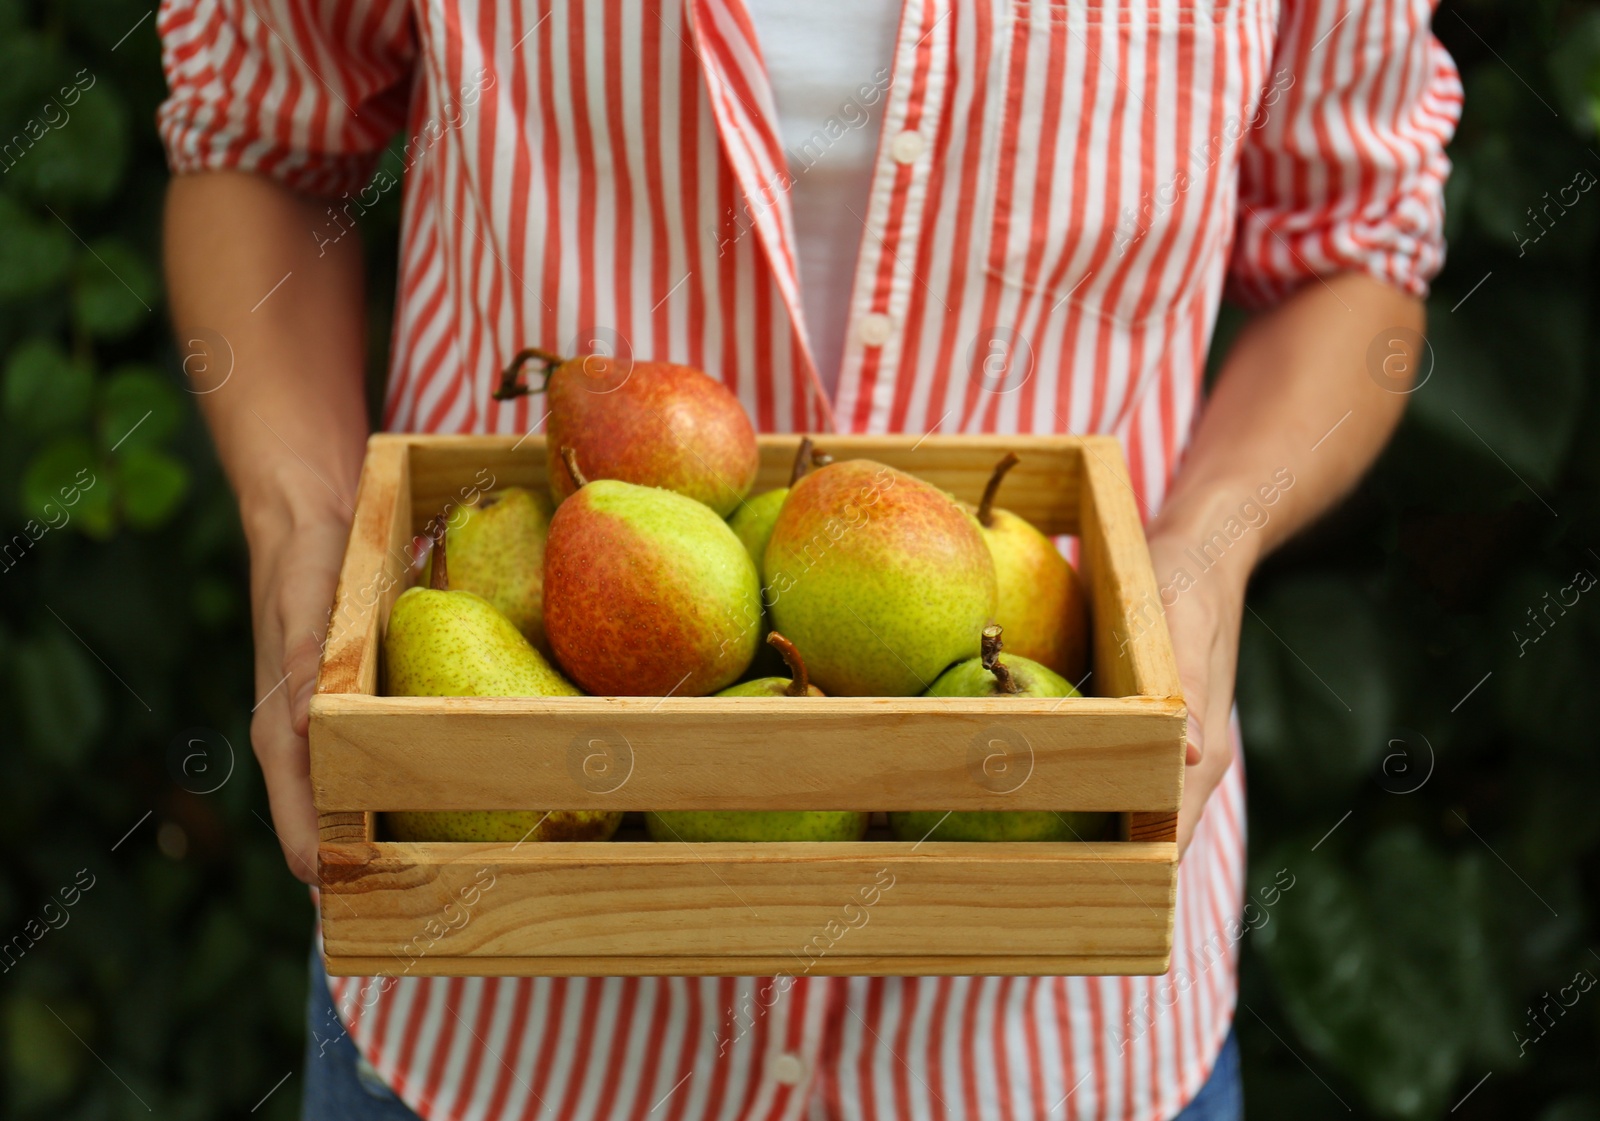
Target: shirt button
{"x":787,"y":1069}
{"x":875,"y":328}
{"x":906,"y":147}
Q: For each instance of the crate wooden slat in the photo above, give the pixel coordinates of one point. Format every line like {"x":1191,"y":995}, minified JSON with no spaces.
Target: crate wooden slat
{"x":726,"y":909}
{"x":758,"y":901}
{"x":847,"y":754}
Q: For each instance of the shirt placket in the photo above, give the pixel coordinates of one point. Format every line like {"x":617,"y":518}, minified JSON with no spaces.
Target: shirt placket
{"x":747,"y":128}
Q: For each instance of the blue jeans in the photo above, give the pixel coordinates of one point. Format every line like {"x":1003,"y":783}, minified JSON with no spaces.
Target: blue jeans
{"x":341,"y":1086}
{"x":1222,"y":1096}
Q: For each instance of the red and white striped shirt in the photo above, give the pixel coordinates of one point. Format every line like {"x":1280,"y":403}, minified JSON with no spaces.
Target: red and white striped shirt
{"x":1046,"y":253}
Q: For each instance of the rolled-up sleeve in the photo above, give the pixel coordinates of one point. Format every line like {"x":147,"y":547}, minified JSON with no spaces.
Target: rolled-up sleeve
{"x":305,"y":91}
{"x":1345,"y":168}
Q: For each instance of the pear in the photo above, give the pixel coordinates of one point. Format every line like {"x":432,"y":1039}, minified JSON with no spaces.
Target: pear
{"x":796,"y":685}
{"x":446,"y":643}
{"x":752,"y":524}
{"x":997,"y":825}
{"x":988,"y":676}
{"x":509,"y":825}
{"x":647,"y":593}
{"x":1042,"y":605}
{"x":753,"y":521}
{"x":757,"y":825}
{"x":882,"y":579}
{"x":762,"y":825}
{"x":656,"y":424}
{"x":497,"y":551}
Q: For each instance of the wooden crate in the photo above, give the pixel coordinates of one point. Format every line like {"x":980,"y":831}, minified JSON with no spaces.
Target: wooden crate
{"x":869,"y":907}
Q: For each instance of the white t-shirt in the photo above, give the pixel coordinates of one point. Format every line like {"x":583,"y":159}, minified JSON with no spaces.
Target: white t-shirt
{"x":820,"y":54}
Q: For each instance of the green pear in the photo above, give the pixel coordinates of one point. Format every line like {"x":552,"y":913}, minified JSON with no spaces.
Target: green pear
{"x":753,"y":521}
{"x":1041,"y":601}
{"x":455,"y":644}
{"x":882,"y":579}
{"x":762,"y":825}
{"x":497,"y":551}
{"x":795,"y":685}
{"x":647,"y":593}
{"x":752,"y":524}
{"x":445,"y":643}
{"x":757,"y":825}
{"x":509,"y":825}
{"x":987,"y":676}
{"x":997,"y":825}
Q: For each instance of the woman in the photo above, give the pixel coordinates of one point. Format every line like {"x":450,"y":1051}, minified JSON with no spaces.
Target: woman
{"x":951,"y":216}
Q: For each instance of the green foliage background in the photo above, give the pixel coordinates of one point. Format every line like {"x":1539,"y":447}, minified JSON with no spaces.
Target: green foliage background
{"x":1394,"y":977}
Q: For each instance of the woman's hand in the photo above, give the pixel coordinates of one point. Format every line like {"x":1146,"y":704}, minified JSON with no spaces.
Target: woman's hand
{"x":1204,"y":622}
{"x":281,"y":387}
{"x":1294,"y":418}
{"x":294,"y":569}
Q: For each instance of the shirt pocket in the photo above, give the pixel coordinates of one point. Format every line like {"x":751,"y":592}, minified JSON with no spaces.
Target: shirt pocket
{"x":1122,"y":121}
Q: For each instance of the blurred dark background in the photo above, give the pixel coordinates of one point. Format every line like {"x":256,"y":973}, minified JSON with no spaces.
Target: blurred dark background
{"x":1414,"y":677}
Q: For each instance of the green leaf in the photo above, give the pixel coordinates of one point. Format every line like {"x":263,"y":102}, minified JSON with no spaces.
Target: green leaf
{"x":1508,"y":381}
{"x":150,"y":484}
{"x":43,"y":1061}
{"x":1370,"y":964}
{"x":139,"y":408}
{"x":79,"y":142}
{"x":59,"y":695}
{"x":30,"y":63}
{"x":34,"y":257}
{"x":44,"y":389}
{"x":1315,"y":695}
{"x":114,"y":290}
{"x":1584,"y":1108}
{"x":1574,"y":66}
{"x":66,"y":485}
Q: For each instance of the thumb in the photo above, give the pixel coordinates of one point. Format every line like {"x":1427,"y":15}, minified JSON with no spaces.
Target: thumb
{"x":1195,"y":740}
{"x":300,"y":662}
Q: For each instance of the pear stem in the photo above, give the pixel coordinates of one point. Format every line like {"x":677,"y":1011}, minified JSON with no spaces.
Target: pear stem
{"x":802,"y":460}
{"x":986,"y":507}
{"x":510,"y":386}
{"x":800,"y":685}
{"x":1004,"y":679}
{"x":441,"y":569}
{"x":569,"y":456}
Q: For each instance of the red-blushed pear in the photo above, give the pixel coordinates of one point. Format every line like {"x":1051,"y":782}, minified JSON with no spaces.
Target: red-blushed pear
{"x":882,"y":579}
{"x":657,"y":424}
{"x":647,"y":593}
{"x":1042,"y":605}
{"x":441,"y":642}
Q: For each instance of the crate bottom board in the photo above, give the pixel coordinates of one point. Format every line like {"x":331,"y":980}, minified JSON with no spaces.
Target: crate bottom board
{"x":583,"y":908}
{"x":844,"y":965}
